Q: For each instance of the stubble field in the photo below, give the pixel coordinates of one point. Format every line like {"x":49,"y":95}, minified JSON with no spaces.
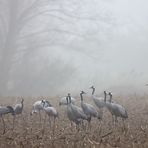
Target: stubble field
{"x":29,"y":132}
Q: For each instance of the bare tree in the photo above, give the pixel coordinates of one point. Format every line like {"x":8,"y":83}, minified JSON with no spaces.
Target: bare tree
{"x":29,"y":26}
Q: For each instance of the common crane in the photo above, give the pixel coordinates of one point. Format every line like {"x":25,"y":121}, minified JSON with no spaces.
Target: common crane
{"x":74,"y":113}
{"x":18,"y":108}
{"x":88,"y":109}
{"x":38,"y":106}
{"x":6,"y":110}
{"x":98,"y":101}
{"x":117,"y":110}
{"x":51,"y":112}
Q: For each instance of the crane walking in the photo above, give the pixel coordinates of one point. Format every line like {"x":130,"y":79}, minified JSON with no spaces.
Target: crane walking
{"x":6,"y":110}
{"x":88,"y":109}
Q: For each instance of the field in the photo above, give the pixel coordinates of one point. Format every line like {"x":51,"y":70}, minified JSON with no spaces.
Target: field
{"x":29,"y":132}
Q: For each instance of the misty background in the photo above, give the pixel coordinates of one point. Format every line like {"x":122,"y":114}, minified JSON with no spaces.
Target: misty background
{"x":51,"y":47}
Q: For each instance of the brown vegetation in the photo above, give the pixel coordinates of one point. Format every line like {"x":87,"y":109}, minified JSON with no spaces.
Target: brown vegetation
{"x":29,"y":132}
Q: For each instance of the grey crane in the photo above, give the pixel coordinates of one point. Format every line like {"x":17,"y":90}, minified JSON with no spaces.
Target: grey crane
{"x":117,"y":110}
{"x":38,"y":106}
{"x":51,"y":112}
{"x":75,"y":113}
{"x":6,"y":110}
{"x":18,"y":108}
{"x":88,"y":109}
{"x":98,"y":101}
{"x":108,"y":104}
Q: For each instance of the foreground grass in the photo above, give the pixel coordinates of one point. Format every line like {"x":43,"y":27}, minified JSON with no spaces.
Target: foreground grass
{"x":30,"y":132}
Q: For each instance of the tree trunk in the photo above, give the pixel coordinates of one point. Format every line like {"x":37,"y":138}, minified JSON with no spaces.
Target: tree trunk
{"x":9,"y":48}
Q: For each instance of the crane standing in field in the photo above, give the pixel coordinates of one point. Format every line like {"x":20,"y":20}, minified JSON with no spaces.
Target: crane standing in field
{"x":88,"y":109}
{"x":3,"y":111}
{"x":51,"y":112}
{"x":75,"y":113}
{"x":108,"y":104}
{"x":38,"y":106}
{"x":117,"y":110}
{"x":18,"y":108}
{"x":99,"y":102}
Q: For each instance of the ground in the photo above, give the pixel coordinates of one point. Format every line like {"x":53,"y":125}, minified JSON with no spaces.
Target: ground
{"x":30,"y":132}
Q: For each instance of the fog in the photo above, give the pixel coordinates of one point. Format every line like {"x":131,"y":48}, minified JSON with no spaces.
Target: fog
{"x":52,"y":47}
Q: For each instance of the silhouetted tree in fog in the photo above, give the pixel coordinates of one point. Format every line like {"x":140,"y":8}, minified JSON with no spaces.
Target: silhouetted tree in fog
{"x":30,"y":28}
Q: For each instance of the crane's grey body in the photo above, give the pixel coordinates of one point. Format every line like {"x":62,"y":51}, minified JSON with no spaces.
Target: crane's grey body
{"x":39,"y":105}
{"x":74,"y":112}
{"x":18,"y":108}
{"x":51,"y":111}
{"x":116,"y":109}
{"x":6,"y":110}
{"x":99,"y":102}
{"x":87,"y":108}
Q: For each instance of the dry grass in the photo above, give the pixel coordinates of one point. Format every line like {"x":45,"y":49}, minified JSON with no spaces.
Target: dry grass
{"x":29,"y":132}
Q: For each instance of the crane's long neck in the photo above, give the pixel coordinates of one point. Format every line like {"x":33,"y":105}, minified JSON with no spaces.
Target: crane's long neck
{"x":70,"y":99}
{"x":104,"y":97}
{"x":110,"y":100}
{"x":93,"y":91}
{"x":22,"y":104}
{"x":81,"y":95}
{"x":67,"y":100}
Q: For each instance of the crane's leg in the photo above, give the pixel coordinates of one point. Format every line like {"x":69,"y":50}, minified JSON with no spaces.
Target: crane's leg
{"x":23,"y":117}
{"x":13,"y":122}
{"x":4,"y":127}
{"x":40,"y":116}
{"x":45,"y":119}
{"x":116,"y":120}
{"x":49,"y":121}
{"x":44,"y":123}
{"x":113,"y":119}
{"x":53,"y":125}
{"x":89,"y":123}
{"x":123,"y":121}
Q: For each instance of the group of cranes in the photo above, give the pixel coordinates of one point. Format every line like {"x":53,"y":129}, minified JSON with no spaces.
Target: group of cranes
{"x":75,"y":113}
{"x":18,"y":108}
{"x":87,"y":111}
{"x":115,"y":109}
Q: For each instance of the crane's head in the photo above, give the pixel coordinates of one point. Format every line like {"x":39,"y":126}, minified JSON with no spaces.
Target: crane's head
{"x":69,"y":97}
{"x":105,"y":92}
{"x":82,"y":92}
{"x":43,"y":102}
{"x":92,"y":87}
{"x":110,"y":94}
